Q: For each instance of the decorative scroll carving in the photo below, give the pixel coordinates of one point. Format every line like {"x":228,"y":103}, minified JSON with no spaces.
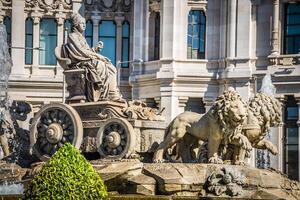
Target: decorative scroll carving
{"x":225,"y":181}
{"x":49,"y":5}
{"x":5,"y":3}
{"x":284,"y":60}
{"x":108,"y":109}
{"x":108,"y":5}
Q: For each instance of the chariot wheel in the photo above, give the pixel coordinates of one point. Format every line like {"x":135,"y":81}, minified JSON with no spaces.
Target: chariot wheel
{"x":53,"y":126}
{"x":115,"y":139}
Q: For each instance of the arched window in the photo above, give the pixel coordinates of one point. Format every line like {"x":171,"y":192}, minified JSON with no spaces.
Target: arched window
{"x":67,"y":28}
{"x":28,"y":40}
{"x":89,"y":32}
{"x":125,"y":43}
{"x":292,"y":28}
{"x":107,"y":34}
{"x":48,"y":41}
{"x":157,"y":36}
{"x":196,"y":35}
{"x":7,"y":23}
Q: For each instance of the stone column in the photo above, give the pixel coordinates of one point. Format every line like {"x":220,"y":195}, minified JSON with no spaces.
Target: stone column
{"x":157,"y":101}
{"x":182,"y":103}
{"x":138,"y":30}
{"x":96,"y":19}
{"x":232,"y":29}
{"x":208,"y":105}
{"x":78,"y":6}
{"x":18,"y":37}
{"x":36,"y":40}
{"x":174,"y":18}
{"x":275,"y":22}
{"x":119,"y":21}
{"x":280,"y":136}
{"x":298,"y":123}
{"x":60,"y":18}
{"x":170,"y":104}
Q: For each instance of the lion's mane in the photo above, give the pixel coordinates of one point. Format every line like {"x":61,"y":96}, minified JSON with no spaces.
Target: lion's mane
{"x":267,"y":110}
{"x":220,"y":111}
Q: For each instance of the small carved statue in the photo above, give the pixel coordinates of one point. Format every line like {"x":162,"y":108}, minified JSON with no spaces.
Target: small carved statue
{"x":11,"y":133}
{"x":220,"y":126}
{"x":100,"y":72}
{"x":225,"y":181}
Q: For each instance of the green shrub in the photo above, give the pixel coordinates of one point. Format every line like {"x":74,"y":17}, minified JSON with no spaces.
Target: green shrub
{"x":67,"y":175}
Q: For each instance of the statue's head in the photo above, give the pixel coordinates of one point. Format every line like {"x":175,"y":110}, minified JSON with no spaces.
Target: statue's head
{"x":78,"y":22}
{"x":230,"y":108}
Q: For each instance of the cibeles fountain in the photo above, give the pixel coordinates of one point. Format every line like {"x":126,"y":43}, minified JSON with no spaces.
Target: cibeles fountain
{"x":136,"y":151}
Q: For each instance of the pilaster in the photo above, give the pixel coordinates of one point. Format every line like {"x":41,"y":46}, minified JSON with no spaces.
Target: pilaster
{"x":182,"y":103}
{"x":18,"y":37}
{"x":119,"y":21}
{"x":60,"y":18}
{"x":275,"y":29}
{"x":96,"y":19}
{"x":36,"y":16}
{"x":298,"y":123}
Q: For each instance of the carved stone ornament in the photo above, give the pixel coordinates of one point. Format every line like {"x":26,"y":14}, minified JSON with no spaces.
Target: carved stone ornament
{"x":225,"y":181}
{"x":108,"y":5}
{"x":6,"y":3}
{"x":49,"y":5}
{"x":103,"y":110}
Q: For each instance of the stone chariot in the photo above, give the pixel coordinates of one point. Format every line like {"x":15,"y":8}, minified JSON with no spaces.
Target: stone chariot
{"x":114,"y":129}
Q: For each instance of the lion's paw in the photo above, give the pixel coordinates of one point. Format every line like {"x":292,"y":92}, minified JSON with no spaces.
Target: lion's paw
{"x":239,"y":162}
{"x":273,"y":149}
{"x":246,"y":144}
{"x":215,"y":160}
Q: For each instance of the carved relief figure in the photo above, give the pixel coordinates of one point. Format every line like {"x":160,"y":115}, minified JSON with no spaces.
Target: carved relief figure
{"x":100,"y":72}
{"x":222,"y":124}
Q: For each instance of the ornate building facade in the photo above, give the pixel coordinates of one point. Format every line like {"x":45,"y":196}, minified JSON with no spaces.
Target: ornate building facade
{"x":176,"y":55}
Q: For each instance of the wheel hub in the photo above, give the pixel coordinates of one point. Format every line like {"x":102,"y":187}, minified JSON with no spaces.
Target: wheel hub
{"x":54,"y":133}
{"x":113,"y":139}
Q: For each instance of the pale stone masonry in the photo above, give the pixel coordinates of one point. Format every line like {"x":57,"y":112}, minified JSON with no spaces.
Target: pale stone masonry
{"x":244,"y":40}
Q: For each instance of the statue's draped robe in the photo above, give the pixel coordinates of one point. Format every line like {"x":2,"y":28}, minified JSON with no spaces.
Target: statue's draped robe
{"x":101,"y":74}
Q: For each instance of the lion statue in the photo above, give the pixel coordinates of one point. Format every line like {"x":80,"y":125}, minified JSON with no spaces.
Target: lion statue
{"x":264,"y":111}
{"x":222,"y":124}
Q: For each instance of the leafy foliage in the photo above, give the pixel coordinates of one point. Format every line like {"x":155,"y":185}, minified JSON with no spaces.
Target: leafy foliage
{"x":67,"y":175}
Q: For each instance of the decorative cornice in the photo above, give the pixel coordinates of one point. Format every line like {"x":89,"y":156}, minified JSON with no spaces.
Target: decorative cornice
{"x":108,"y":5}
{"x":197,"y":4}
{"x":5,"y":5}
{"x":154,"y":6}
{"x":49,"y":6}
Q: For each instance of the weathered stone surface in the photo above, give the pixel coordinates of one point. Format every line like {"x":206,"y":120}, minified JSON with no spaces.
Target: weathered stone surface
{"x":10,"y":172}
{"x":183,"y":180}
{"x":173,"y":178}
{"x":116,"y":174}
{"x":142,"y":184}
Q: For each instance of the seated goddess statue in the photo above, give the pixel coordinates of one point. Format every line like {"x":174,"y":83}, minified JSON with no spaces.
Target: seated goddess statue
{"x":101,"y":73}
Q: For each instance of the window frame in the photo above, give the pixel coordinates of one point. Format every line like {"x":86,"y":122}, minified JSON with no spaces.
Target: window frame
{"x":125,"y":65}
{"x":200,"y":55}
{"x":8,"y":32}
{"x":285,"y":36}
{"x":289,"y":123}
{"x":27,"y":33}
{"x":114,"y":37}
{"x":92,"y":34}
{"x":40,"y":34}
{"x":157,"y":29}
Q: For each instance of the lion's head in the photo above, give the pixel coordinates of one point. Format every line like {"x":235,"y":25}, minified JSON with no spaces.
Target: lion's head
{"x":267,"y":110}
{"x":231,"y":111}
